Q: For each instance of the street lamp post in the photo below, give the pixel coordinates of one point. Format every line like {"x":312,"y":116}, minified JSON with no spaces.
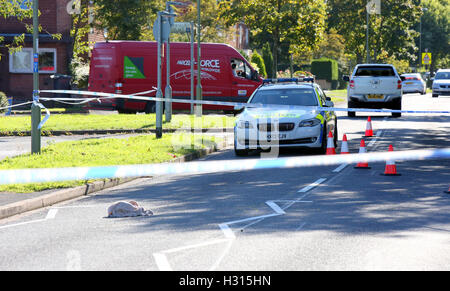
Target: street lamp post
{"x":35,"y":109}
{"x":198,"y":107}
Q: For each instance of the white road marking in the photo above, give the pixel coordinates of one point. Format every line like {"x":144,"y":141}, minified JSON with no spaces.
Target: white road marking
{"x":312,"y":185}
{"x":51,"y":213}
{"x":340,"y":168}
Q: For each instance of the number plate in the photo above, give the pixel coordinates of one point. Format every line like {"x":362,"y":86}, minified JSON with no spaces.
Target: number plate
{"x":276,"y":136}
{"x":375,"y":96}
{"x":409,"y":83}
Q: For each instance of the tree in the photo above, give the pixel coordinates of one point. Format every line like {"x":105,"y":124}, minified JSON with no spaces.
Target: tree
{"x":258,"y":60}
{"x":268,"y":60}
{"x":435,"y":32}
{"x":297,"y":24}
{"x":22,"y":11}
{"x":391,"y":33}
{"x":125,"y":19}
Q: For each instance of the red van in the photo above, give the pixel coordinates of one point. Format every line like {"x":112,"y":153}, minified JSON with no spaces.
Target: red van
{"x":129,"y":67}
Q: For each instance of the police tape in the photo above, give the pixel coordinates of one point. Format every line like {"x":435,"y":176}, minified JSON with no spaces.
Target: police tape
{"x":203,"y":167}
{"x":101,"y":95}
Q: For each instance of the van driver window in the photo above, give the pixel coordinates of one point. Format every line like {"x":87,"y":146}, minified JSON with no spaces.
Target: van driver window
{"x":240,"y":69}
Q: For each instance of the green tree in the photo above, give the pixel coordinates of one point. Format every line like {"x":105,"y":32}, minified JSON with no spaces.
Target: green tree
{"x":258,"y":60}
{"x":390,"y":33}
{"x":125,"y":19}
{"x":436,"y":32}
{"x":297,"y":24}
{"x":22,"y":11}
{"x":268,"y":60}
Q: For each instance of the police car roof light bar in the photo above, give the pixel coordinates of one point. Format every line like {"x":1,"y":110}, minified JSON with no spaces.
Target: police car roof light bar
{"x":288,"y":80}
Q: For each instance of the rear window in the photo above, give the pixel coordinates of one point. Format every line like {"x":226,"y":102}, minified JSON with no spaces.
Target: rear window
{"x":299,"y":97}
{"x":375,"y":71}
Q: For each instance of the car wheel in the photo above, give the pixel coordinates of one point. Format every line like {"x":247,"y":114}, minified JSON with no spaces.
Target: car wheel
{"x":435,"y":95}
{"x":150,"y":107}
{"x":351,"y":113}
{"x":323,"y":149}
{"x":397,"y":106}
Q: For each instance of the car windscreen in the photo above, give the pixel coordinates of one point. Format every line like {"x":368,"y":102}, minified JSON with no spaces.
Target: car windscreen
{"x":375,"y":71}
{"x":298,"y":97}
{"x":442,"y":75}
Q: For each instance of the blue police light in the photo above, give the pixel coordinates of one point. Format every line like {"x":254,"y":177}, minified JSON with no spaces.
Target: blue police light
{"x":288,"y":80}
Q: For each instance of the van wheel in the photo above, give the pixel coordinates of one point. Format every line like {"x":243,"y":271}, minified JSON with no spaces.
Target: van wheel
{"x":397,"y":106}
{"x":351,"y":113}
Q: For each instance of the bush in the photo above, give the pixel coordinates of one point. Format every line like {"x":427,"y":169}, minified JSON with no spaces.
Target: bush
{"x":80,"y":73}
{"x":326,"y":69}
{"x":3,"y":102}
{"x":258,"y":60}
{"x":268,"y":60}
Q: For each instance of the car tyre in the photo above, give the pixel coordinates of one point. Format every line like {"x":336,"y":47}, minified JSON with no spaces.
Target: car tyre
{"x":397,"y":106}
{"x":435,"y":95}
{"x":351,"y":113}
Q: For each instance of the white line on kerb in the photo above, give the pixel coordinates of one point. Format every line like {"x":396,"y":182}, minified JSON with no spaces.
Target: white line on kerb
{"x":312,"y":185}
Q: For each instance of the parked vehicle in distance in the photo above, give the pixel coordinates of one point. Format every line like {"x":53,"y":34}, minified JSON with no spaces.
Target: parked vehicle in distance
{"x":413,"y":83}
{"x":441,"y":83}
{"x":267,"y":127}
{"x":374,"y":86}
{"x":129,"y":67}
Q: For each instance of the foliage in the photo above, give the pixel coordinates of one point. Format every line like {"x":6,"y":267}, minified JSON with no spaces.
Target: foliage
{"x":258,"y":60}
{"x":80,"y":73}
{"x":23,"y":12}
{"x":390,"y":33}
{"x":3,"y":102}
{"x":125,"y":19}
{"x":297,"y":24}
{"x":436,"y":32}
{"x":268,"y":60}
{"x":325,"y":68}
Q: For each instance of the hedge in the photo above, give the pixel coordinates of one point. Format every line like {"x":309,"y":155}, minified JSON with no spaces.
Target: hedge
{"x":326,"y":69}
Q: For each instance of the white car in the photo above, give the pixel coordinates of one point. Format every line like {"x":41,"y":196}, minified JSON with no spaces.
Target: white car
{"x":413,"y":83}
{"x":441,"y":83}
{"x":274,"y":126}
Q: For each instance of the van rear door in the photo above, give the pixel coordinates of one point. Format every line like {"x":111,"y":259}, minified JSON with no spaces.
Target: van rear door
{"x":103,"y":71}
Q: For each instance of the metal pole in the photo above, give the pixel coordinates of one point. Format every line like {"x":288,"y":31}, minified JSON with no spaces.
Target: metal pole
{"x":198,"y":107}
{"x":159,"y":93}
{"x":168,"y":91}
{"x":35,"y":110}
{"x":367,"y":38}
{"x":192,"y":67}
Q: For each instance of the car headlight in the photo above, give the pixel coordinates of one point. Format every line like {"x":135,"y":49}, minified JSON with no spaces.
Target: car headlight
{"x":309,"y":122}
{"x":244,"y":124}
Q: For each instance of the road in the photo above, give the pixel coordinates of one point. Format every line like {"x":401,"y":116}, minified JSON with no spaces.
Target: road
{"x":318,"y":218}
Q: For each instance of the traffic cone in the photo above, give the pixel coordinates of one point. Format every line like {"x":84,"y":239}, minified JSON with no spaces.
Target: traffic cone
{"x":362,"y":150}
{"x":391,"y":168}
{"x":330,"y":145}
{"x":344,"y":145}
{"x":369,"y":131}
{"x":448,"y":191}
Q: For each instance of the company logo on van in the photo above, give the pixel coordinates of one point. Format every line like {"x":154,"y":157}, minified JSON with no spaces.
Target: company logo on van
{"x":206,"y":65}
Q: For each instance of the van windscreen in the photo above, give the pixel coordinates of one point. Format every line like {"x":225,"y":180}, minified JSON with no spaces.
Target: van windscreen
{"x":375,"y":71}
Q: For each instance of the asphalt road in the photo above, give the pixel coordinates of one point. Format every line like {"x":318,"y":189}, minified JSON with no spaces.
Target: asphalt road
{"x":318,"y":218}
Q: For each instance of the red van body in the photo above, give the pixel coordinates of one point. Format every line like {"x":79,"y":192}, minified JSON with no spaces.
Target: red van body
{"x":129,"y":67}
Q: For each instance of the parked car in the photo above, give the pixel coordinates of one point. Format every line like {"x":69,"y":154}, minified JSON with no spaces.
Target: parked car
{"x":305,"y":127}
{"x":441,"y":83}
{"x":413,"y":83}
{"x":374,"y":86}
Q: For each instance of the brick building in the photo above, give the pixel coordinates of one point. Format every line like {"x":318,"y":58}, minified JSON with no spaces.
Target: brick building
{"x":16,"y":70}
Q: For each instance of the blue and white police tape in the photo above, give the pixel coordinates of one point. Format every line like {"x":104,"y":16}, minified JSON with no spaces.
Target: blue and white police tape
{"x":87,"y":173}
{"x":47,"y":114}
{"x":100,"y":95}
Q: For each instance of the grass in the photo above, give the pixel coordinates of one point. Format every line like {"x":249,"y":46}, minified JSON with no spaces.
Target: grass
{"x":68,"y":122}
{"x":337,"y":95}
{"x":144,"y":149}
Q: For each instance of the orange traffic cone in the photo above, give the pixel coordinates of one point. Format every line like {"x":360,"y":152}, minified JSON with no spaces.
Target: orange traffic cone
{"x":362,"y":150}
{"x":330,"y":145}
{"x":344,"y":145}
{"x":391,"y":168}
{"x":369,"y":131}
{"x":448,"y":191}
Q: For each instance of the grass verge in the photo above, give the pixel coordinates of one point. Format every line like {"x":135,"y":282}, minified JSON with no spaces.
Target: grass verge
{"x":144,"y":149}
{"x":68,"y":122}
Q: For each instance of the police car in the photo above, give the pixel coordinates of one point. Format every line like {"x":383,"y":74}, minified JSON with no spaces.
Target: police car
{"x":285,"y":113}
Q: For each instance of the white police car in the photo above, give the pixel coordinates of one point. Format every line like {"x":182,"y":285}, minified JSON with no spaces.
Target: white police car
{"x":287,"y":113}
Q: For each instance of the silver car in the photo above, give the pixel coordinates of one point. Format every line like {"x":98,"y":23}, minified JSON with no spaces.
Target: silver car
{"x":441,"y":83}
{"x":277,"y":126}
{"x":413,"y":83}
